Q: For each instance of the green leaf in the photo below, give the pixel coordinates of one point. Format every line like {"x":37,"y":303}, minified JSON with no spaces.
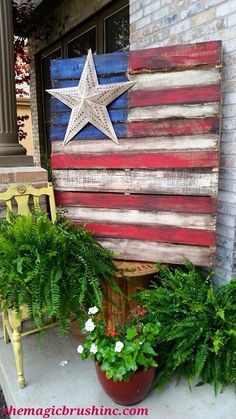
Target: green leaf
{"x":131,"y":332}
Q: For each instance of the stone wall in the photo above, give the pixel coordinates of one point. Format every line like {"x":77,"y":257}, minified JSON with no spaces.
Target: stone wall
{"x":157,"y":23}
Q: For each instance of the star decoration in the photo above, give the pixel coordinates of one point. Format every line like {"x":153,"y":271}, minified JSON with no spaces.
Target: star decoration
{"x":89,"y":101}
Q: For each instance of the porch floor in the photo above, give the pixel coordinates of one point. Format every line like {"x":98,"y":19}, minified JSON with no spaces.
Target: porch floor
{"x":76,"y":385}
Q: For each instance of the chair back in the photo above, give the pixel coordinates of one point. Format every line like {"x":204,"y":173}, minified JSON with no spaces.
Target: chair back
{"x":22,"y":193}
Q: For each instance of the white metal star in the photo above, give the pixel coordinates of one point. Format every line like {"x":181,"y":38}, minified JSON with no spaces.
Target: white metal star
{"x":89,"y":101}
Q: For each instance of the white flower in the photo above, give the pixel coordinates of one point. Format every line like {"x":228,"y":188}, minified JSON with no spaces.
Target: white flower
{"x":93,"y":310}
{"x":89,"y":325}
{"x":93,"y":348}
{"x":80,"y":349}
{"x":119,"y":346}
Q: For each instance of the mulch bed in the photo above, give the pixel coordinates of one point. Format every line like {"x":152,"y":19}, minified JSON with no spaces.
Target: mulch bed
{"x":2,"y":403}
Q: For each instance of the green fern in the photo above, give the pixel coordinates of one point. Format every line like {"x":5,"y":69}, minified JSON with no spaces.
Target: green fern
{"x":56,"y":269}
{"x":198,"y":334}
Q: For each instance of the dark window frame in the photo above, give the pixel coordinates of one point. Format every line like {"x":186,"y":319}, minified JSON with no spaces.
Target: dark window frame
{"x":98,"y":21}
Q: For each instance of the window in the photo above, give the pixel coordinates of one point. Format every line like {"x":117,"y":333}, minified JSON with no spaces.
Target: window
{"x":80,"y":45}
{"x":116,"y":31}
{"x":106,"y":32}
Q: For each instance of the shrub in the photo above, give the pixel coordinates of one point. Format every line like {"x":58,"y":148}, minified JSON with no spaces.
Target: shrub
{"x":57,"y":270}
{"x":198,"y":335}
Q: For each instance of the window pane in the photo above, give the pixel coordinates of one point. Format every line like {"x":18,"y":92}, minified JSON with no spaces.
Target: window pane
{"x":46,"y":84}
{"x":117,"y":31}
{"x":46,"y":67}
{"x":80,"y":45}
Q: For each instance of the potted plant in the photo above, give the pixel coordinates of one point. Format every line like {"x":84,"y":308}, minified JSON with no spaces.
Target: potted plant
{"x":198,"y":335}
{"x":125,"y":357}
{"x":56,"y":269}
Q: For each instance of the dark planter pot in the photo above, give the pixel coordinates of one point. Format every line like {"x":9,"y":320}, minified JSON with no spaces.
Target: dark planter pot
{"x":127,"y":393}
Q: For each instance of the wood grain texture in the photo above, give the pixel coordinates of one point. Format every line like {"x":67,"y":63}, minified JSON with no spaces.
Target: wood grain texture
{"x":150,"y":113}
{"x":203,"y":205}
{"x":135,"y":160}
{"x":173,"y":127}
{"x":153,"y":196}
{"x":162,"y":127}
{"x":119,"y":78}
{"x":116,"y":115}
{"x":172,"y":79}
{"x":71,"y":68}
{"x":136,"y":145}
{"x":57,"y":132}
{"x":162,"y":252}
{"x":152,"y":233}
{"x":181,"y":182}
{"x":180,"y":95}
{"x":177,"y":56}
{"x":130,"y":216}
{"x":58,"y":107}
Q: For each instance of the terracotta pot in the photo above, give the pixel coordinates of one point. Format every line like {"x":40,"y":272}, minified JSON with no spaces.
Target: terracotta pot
{"x":127,"y":393}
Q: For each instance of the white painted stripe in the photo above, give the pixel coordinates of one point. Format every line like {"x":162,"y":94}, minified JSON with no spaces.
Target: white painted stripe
{"x":162,"y":252}
{"x":178,"y":182}
{"x":173,"y":111}
{"x":166,"y":80}
{"x":155,"y":218}
{"x":149,"y":144}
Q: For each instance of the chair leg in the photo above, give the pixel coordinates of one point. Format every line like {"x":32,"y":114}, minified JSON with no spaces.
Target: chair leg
{"x":5,"y":332}
{"x":17,"y":348}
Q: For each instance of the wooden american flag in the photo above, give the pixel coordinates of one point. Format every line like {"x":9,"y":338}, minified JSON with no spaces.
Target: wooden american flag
{"x":152,"y":197}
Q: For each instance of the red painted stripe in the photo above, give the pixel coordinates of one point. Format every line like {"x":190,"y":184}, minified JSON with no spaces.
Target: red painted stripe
{"x":159,"y":234}
{"x":180,"y":95}
{"x":140,"y":161}
{"x":204,"y":205}
{"x":176,"y":56}
{"x":164,"y":127}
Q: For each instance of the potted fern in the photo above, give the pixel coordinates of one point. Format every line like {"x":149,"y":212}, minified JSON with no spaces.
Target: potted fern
{"x":198,"y":334}
{"x":125,"y":356}
{"x":55,"y":269}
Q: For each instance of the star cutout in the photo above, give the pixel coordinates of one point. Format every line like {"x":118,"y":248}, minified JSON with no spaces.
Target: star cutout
{"x":89,"y":101}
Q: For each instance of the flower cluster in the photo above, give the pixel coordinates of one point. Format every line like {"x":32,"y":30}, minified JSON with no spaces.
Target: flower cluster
{"x":120,"y":351}
{"x":90,"y":326}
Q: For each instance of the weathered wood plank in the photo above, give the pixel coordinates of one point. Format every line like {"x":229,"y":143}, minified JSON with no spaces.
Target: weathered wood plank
{"x":136,"y":160}
{"x":147,"y":113}
{"x":116,"y":115}
{"x":101,"y":80}
{"x":161,"y":252}
{"x":135,"y":145}
{"x":58,"y":107}
{"x":140,"y":129}
{"x":71,"y":68}
{"x":154,"y":218}
{"x":160,"y":234}
{"x":163,"y":127}
{"x":179,"y":95}
{"x":173,"y":111}
{"x":57,"y":132}
{"x":203,"y":205}
{"x":181,"y":182}
{"x":167,"y":80}
{"x":177,"y":56}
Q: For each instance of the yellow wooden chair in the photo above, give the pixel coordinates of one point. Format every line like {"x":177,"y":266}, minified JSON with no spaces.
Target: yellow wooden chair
{"x":12,"y":323}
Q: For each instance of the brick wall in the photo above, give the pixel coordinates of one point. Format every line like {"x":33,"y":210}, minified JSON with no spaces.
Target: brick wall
{"x":157,"y":23}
